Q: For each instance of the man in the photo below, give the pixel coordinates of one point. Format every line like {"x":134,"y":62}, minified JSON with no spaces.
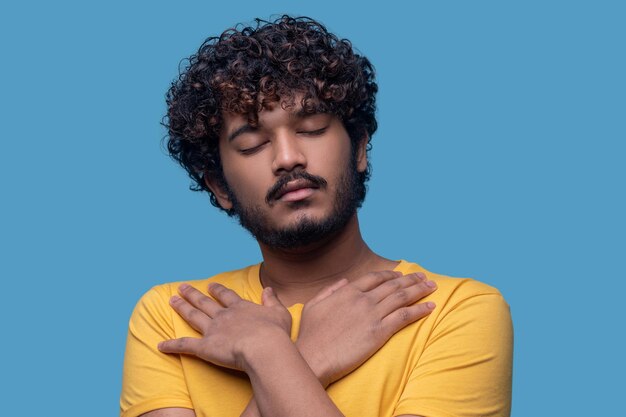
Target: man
{"x":274,"y":122}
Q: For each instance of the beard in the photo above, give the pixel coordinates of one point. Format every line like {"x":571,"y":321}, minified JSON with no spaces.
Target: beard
{"x":305,"y":231}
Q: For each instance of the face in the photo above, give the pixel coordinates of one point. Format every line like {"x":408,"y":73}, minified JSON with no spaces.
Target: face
{"x":292,"y":178}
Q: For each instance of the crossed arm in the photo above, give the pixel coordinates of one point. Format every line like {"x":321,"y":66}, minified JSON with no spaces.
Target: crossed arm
{"x":340,"y":328}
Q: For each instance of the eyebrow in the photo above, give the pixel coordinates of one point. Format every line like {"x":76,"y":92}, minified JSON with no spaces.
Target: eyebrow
{"x":240,"y":131}
{"x":302,"y":113}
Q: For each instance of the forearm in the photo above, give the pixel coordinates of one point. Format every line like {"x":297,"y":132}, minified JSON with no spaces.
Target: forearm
{"x":283,"y":383}
{"x":314,"y":363}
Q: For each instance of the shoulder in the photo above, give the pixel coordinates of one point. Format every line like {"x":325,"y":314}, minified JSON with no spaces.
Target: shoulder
{"x":455,"y":293}
{"x":156,"y":299}
{"x":452,"y":286}
{"x":468,"y":337}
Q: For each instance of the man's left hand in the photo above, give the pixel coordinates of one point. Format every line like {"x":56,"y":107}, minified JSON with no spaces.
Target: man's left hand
{"x":231,"y":327}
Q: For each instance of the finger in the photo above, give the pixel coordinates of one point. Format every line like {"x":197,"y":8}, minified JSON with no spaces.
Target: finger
{"x":389,"y":287}
{"x":405,"y":296}
{"x":199,"y":300}
{"x":187,"y":345}
{"x":269,"y":298}
{"x":224,"y":295}
{"x":327,"y":291}
{"x":196,"y":318}
{"x":404,"y":316}
{"x":374,"y":279}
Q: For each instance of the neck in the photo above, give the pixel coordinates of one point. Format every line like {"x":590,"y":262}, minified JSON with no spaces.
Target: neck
{"x":297,"y":275}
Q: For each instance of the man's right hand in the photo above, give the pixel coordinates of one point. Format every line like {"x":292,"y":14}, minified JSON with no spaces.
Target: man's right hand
{"x":346,"y":323}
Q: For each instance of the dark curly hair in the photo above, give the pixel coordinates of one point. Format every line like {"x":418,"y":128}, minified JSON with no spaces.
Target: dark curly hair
{"x":247,"y":69}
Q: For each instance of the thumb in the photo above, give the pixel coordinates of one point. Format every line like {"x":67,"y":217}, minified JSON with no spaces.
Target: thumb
{"x":269,"y":298}
{"x":327,"y":291}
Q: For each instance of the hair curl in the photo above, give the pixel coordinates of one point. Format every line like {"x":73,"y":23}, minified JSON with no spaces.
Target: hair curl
{"x":248,"y":69}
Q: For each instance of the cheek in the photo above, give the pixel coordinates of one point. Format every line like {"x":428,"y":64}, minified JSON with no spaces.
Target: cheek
{"x":247,"y":179}
{"x":332,"y":160}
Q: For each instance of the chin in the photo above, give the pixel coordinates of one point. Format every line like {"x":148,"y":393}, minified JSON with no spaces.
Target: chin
{"x":301,"y":216}
{"x":304,"y":233}
{"x":297,"y":225}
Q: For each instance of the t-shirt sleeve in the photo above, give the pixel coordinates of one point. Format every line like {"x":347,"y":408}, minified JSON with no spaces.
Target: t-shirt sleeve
{"x":151,"y":379}
{"x":465,"y":368}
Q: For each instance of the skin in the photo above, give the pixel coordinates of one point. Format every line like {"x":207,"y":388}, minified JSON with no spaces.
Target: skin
{"x":285,"y":144}
{"x":349,"y":311}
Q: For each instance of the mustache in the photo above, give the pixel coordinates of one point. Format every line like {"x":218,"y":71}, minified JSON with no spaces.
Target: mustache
{"x":315,"y":180}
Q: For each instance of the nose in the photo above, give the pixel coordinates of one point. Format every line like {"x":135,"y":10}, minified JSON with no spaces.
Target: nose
{"x":288,"y":154}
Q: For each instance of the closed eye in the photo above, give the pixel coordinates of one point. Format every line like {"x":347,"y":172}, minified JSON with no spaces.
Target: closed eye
{"x":252,"y":150}
{"x":315,"y":132}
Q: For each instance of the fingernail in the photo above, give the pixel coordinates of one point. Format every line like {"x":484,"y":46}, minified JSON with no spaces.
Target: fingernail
{"x":183,"y":287}
{"x":431,"y":284}
{"x":430,"y":305}
{"x":419,"y":276}
{"x":174,"y":299}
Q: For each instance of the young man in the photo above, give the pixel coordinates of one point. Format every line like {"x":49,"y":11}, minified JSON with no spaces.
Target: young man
{"x":274,"y":122}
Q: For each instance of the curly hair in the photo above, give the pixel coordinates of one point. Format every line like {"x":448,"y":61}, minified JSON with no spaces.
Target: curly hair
{"x":246,"y":70}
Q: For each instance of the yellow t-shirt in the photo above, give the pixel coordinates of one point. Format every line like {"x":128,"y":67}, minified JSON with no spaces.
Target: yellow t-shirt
{"x":455,"y":362}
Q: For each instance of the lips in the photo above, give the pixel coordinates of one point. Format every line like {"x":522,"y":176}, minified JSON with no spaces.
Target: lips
{"x":295,"y":186}
{"x":296,"y":190}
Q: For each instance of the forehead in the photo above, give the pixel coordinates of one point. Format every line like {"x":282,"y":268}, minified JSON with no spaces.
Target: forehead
{"x":271,"y":115}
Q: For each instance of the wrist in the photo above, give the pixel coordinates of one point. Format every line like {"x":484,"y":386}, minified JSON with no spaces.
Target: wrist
{"x":263,"y":350}
{"x":316,"y":362}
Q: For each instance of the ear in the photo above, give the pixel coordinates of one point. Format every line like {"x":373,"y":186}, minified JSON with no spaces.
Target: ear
{"x":361,"y":156}
{"x":214,"y":185}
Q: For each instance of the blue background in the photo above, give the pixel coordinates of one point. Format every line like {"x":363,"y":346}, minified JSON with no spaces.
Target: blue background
{"x":499,"y":156}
